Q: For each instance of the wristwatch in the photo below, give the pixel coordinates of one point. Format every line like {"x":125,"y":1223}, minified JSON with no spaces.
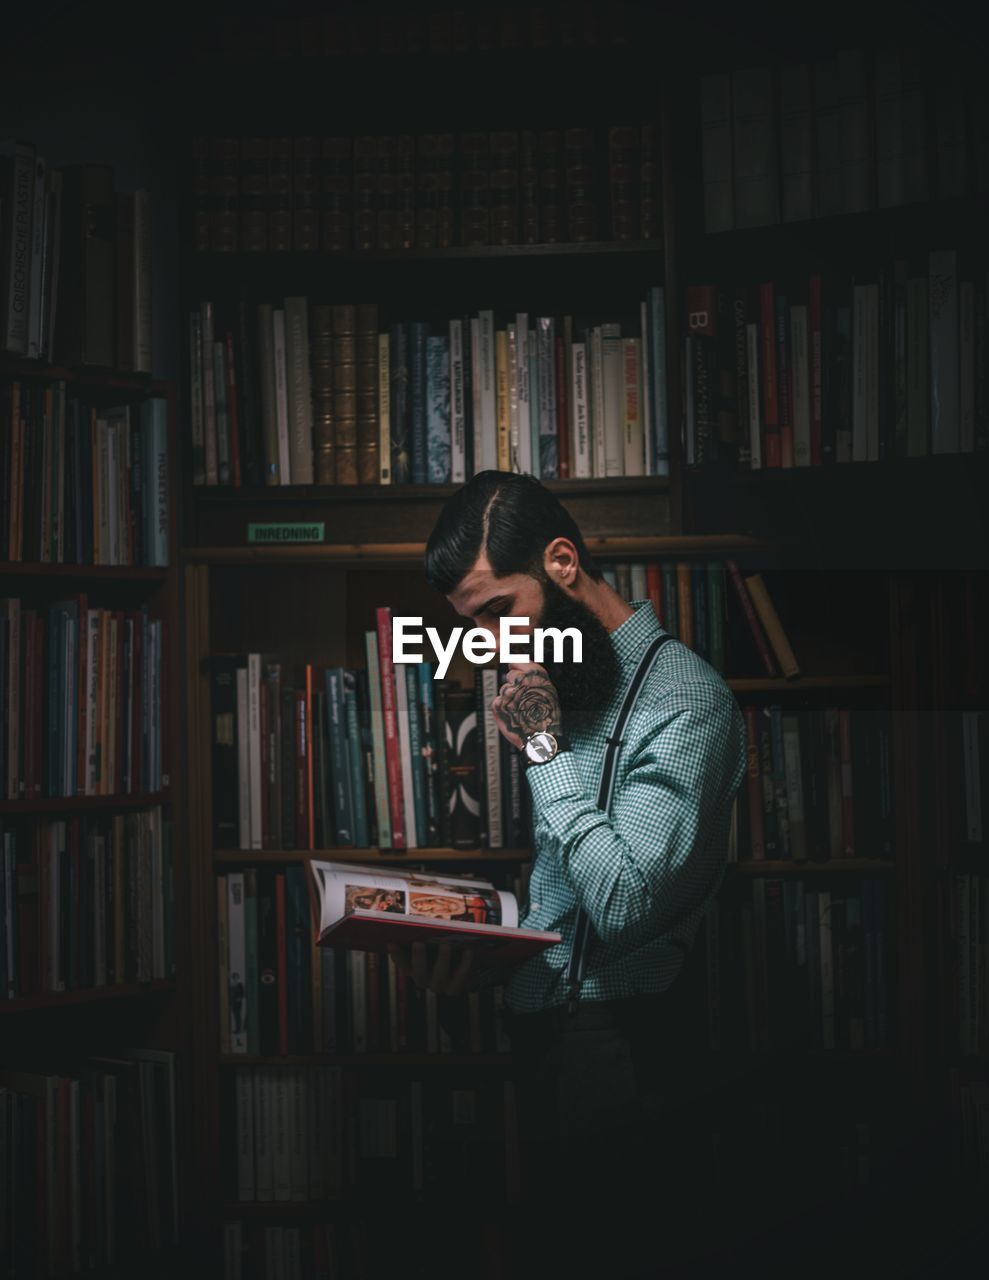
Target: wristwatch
{"x":541,"y":747}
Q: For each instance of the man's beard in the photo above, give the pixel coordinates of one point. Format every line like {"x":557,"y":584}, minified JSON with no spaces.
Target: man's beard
{"x":587,"y":687}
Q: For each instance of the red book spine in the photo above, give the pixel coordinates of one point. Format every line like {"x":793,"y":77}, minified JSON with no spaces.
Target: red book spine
{"x":301,"y":772}
{"x":752,"y":618}
{"x":847,"y":796}
{"x":562,"y":415}
{"x":771,"y":444}
{"x":310,"y":812}
{"x":654,"y":586}
{"x":393,"y":764}
{"x":231,"y":372}
{"x":757,"y":834}
{"x":282,"y":969}
{"x":816,"y":370}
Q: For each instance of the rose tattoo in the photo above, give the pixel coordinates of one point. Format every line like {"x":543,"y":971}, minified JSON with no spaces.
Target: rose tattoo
{"x":526,"y":704}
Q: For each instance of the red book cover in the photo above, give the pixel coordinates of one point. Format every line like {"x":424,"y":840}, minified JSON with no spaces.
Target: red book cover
{"x":301,"y":771}
{"x":392,"y":762}
{"x":752,"y":618}
{"x":654,"y":587}
{"x":562,"y":416}
{"x":816,"y":369}
{"x":231,"y":373}
{"x":771,"y":444}
{"x":310,"y":814}
{"x":282,"y":968}
{"x":847,"y":796}
{"x":757,"y":836}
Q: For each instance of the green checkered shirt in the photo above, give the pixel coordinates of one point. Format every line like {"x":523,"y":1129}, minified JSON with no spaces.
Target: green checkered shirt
{"x":646,"y":873}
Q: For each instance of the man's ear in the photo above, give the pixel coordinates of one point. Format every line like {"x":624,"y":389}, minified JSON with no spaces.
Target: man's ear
{"x":562,"y":563}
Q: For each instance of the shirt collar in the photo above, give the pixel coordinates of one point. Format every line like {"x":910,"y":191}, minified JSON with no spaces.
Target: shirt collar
{"x":632,"y":636}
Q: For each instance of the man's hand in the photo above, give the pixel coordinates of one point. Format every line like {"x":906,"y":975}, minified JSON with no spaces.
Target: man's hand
{"x":526,"y":703}
{"x":445,"y":979}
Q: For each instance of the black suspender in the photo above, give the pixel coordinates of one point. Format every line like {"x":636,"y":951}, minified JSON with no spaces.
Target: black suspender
{"x":582,"y":931}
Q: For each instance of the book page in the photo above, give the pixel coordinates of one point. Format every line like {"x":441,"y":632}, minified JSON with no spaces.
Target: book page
{"x":347,"y":887}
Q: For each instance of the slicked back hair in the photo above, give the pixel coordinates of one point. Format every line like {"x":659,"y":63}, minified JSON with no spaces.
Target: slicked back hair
{"x":510,"y":517}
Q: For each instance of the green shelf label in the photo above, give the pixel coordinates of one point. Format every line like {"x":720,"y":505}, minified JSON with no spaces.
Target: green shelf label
{"x":279,"y":533}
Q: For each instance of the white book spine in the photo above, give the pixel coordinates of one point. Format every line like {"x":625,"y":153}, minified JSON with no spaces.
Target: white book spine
{"x":254,"y":746}
{"x":943,"y":301}
{"x":859,"y":362}
{"x":524,"y":396}
{"x":458,"y":418}
{"x":582,"y":443}
{"x":801,"y":386}
{"x":281,"y":397}
{"x":237,"y":953}
{"x":597,"y":403}
{"x":966,"y":371}
{"x":264,"y":1173}
{"x":243,"y":763}
{"x":645,"y":397}
{"x":486,"y":371}
{"x":384,"y":409}
{"x":244,"y":1099}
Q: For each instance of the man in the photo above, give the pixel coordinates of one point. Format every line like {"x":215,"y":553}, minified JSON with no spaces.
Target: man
{"x":599,"y":1089}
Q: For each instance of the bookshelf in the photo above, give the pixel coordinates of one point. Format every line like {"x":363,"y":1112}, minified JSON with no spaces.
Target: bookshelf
{"x":93,"y":922}
{"x":837,"y":549}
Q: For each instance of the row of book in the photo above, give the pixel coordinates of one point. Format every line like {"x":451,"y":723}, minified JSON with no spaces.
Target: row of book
{"x":299,"y":393}
{"x":849,"y":132}
{"x":818,"y":785}
{"x":425,"y":191}
{"x":320,"y":1133}
{"x":353,"y":31}
{"x":966,"y":776}
{"x":377,"y":757}
{"x":970,"y":927}
{"x":81,"y":697}
{"x":838,"y":368}
{"x":86,"y":902}
{"x":75,"y":263}
{"x":798,"y":966}
{"x":278,"y":996}
{"x":88,"y":1168}
{"x":81,"y":485}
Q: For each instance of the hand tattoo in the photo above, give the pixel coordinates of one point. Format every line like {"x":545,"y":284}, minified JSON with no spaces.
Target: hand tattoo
{"x":529,"y":704}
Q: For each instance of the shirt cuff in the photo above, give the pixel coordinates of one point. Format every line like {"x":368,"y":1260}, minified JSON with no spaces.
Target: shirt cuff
{"x":556,"y":780}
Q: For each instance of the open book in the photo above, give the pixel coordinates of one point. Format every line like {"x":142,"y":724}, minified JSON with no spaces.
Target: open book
{"x":365,"y":909}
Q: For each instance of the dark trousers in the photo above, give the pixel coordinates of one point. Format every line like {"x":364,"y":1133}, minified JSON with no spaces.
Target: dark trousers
{"x":612,"y":1161}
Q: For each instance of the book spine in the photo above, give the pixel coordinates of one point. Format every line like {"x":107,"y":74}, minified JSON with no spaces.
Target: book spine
{"x":269,"y":411}
{"x":279,"y":367}
{"x":298,"y":394}
{"x":384,"y":409}
{"x":458,"y":456}
{"x":381,"y":786}
{"x":770,"y":620}
{"x":392,"y":762}
{"x":752,"y":618}
{"x":438,"y":438}
{"x":418,"y":393}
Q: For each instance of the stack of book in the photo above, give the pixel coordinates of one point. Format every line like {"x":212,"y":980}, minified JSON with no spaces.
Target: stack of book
{"x":296,"y":393}
{"x":425,"y":191}
{"x":75,"y":264}
{"x":860,"y":366}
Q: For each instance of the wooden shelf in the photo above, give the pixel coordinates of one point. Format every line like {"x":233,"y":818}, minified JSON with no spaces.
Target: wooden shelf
{"x":341,"y":555}
{"x":759,"y":684}
{"x":80,"y":376}
{"x":385,"y":493}
{"x":83,"y":572}
{"x":400,"y":856}
{"x":785,"y":866}
{"x":410,"y":1060}
{"x":87,"y":995}
{"x":239,"y":260}
{"x":86,"y":804}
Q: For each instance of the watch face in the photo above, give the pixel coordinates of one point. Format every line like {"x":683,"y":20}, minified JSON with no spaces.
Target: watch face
{"x":540,"y":747}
